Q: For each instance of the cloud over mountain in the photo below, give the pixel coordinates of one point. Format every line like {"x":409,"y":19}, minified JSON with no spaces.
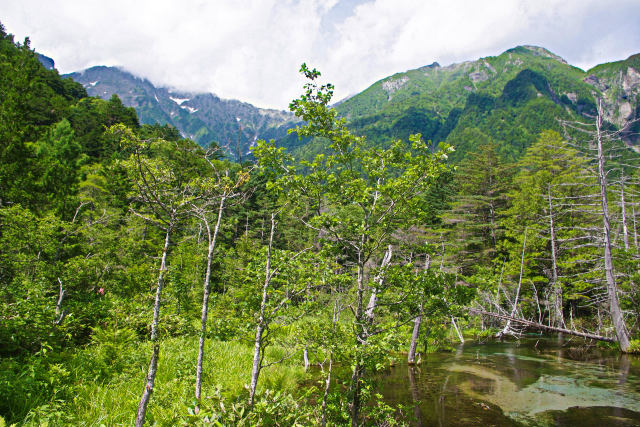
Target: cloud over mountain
{"x":252,"y":50}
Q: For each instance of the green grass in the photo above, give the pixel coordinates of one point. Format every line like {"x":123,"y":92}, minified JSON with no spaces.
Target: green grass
{"x":105,"y":390}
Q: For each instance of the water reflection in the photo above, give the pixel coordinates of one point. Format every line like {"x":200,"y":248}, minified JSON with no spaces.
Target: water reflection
{"x":415,"y":394}
{"x":533,"y":382}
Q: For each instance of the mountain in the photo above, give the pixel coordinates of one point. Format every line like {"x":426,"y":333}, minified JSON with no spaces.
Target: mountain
{"x":620,"y":83}
{"x":507,"y":99}
{"x":46,"y":62}
{"x":202,"y":117}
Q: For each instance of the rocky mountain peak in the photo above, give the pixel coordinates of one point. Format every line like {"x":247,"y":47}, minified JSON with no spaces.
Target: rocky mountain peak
{"x":202,"y":117}
{"x":537,"y":51}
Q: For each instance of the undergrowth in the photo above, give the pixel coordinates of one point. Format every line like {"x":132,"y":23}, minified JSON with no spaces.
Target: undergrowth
{"x":101,"y":386}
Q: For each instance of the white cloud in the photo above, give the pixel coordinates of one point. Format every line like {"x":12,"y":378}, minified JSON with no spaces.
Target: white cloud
{"x":251,"y":50}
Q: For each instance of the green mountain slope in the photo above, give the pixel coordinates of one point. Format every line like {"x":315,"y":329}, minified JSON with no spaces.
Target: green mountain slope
{"x":443,"y":88}
{"x":507,"y":98}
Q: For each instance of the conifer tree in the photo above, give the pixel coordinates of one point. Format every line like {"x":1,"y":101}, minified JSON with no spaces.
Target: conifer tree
{"x":474,"y":219}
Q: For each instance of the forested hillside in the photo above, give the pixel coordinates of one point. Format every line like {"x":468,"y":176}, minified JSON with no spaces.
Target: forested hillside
{"x":144,"y":278}
{"x":507,"y":99}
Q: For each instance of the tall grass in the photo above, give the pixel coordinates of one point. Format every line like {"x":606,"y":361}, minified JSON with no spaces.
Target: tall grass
{"x":104,"y":388}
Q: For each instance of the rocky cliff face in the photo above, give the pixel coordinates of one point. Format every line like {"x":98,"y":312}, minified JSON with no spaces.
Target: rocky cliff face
{"x":202,"y":117}
{"x":619,"y":82}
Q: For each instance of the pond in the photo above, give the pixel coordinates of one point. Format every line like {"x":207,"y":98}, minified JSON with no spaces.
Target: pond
{"x":533,"y":381}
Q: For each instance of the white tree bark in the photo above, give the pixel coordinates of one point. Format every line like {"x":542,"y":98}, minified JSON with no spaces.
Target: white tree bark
{"x":60,"y":313}
{"x":153,"y":364}
{"x":414,"y":338}
{"x":373,"y":300}
{"x":507,"y":327}
{"x":557,"y":290}
{"x":417,"y":322}
{"x":612,"y":290}
{"x":455,"y":326}
{"x":354,"y":388}
{"x":305,"y":357}
{"x":257,"y":349}
{"x":205,"y":297}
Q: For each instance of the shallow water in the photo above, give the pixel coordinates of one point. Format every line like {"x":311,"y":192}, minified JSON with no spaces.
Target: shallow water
{"x":533,"y":381}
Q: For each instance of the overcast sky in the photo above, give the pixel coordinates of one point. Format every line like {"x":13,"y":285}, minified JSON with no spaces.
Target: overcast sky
{"x":251,"y":50}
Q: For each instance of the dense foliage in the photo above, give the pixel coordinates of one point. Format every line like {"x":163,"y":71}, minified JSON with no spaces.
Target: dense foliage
{"x":122,"y":240}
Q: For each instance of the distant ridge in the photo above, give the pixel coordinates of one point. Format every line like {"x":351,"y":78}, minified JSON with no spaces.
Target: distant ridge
{"x":202,"y":117}
{"x":506,"y":99}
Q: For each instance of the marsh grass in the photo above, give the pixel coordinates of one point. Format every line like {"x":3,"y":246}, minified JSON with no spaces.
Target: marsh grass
{"x":103,"y":388}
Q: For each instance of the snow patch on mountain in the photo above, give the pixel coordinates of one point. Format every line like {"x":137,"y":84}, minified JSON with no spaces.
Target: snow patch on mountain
{"x":191,"y":110}
{"x":179,"y":101}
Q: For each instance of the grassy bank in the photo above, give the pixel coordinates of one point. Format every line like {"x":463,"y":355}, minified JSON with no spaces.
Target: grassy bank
{"x":101,"y":384}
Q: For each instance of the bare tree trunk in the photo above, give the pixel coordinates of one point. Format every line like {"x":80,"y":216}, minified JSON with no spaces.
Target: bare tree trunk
{"x":60,"y":313}
{"x":414,"y":338}
{"x":205,"y":299}
{"x":612,"y":290}
{"x":257,"y":349}
{"x":373,"y":300}
{"x":354,"y":388}
{"x":625,"y":230}
{"x":153,"y":364}
{"x":417,"y":322}
{"x":507,"y":327}
{"x":455,"y":326}
{"x":415,"y":334}
{"x":542,"y":327}
{"x":257,"y":353}
{"x":497,"y":302}
{"x":535,"y":293}
{"x":557,"y":290}
{"x":305,"y":356}
{"x":327,"y":383}
{"x":599,"y":320}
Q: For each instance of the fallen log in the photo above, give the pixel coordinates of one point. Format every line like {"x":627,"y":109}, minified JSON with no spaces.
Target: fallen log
{"x":543,"y":327}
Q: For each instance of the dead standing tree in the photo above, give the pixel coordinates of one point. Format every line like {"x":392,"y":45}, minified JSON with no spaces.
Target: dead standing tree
{"x":602,"y":141}
{"x":507,"y":327}
{"x":417,"y":322}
